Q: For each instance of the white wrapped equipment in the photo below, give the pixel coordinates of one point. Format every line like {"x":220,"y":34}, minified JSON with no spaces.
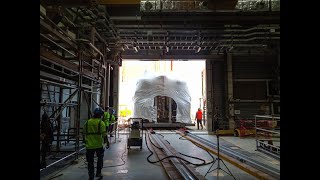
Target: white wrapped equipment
{"x":150,"y":86}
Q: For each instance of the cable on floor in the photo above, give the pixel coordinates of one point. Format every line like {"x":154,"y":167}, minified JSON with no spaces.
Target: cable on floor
{"x":171,"y":156}
{"x":213,"y":159}
{"x":123,"y":161}
{"x":85,"y":163}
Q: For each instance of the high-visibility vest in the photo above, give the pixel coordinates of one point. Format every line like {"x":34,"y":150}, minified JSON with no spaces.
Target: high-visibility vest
{"x":106,"y":118}
{"x":94,"y":131}
{"x":113,"y":118}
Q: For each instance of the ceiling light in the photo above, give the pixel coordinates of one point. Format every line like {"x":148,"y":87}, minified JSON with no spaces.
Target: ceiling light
{"x":135,"y":49}
{"x":198,"y":50}
{"x":167,"y":49}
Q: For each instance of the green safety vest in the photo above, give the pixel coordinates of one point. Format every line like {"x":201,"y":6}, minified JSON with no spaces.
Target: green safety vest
{"x":94,"y":131}
{"x":113,"y":119}
{"x":106,"y":118}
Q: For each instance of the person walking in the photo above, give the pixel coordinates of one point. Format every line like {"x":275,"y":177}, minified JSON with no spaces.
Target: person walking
{"x":199,"y":118}
{"x":94,"y":130}
{"x":106,"y":120}
{"x":46,"y":137}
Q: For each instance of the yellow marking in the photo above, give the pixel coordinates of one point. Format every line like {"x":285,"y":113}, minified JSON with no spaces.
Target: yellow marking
{"x":215,"y":173}
{"x":108,"y":161}
{"x":107,"y":173}
{"x":234,"y":147}
{"x":254,"y":172}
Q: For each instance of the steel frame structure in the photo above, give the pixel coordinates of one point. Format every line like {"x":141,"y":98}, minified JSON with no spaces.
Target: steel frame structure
{"x":80,"y":42}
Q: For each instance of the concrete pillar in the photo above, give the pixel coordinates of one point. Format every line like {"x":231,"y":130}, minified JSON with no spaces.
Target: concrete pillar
{"x":230,"y":91}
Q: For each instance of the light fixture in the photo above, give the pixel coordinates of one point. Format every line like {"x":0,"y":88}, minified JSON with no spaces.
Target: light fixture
{"x":198,"y":50}
{"x":167,"y":49}
{"x":135,"y":49}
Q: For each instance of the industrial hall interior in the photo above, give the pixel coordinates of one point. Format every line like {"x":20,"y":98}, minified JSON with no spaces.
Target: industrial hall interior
{"x":159,"y":89}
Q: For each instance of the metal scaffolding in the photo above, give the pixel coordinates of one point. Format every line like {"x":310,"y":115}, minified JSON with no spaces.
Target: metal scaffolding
{"x":74,"y":77}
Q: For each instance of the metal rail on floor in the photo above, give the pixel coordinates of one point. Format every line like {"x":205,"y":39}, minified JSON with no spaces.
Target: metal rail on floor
{"x":237,"y":155}
{"x":183,"y":169}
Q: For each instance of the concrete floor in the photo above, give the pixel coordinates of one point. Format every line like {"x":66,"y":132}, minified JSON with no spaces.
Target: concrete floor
{"x":133,"y":163}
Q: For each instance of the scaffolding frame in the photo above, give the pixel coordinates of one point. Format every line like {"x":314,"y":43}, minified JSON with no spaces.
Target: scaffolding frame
{"x":76,"y":63}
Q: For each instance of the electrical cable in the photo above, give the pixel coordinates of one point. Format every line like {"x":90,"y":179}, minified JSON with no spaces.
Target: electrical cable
{"x":55,"y":176}
{"x":201,"y":148}
{"x":123,"y":161}
{"x":171,"y":156}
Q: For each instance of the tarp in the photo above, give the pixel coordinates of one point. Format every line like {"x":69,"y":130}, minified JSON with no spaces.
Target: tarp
{"x":152,"y":85}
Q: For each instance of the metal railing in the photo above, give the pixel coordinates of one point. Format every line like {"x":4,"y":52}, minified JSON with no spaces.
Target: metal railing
{"x":258,"y":5}
{"x":267,"y":131}
{"x":203,"y":5}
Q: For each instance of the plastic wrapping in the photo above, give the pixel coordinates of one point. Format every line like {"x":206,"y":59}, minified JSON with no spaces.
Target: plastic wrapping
{"x":152,"y":85}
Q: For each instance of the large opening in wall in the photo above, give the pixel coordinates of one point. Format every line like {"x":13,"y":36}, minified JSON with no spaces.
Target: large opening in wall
{"x":163,"y":81}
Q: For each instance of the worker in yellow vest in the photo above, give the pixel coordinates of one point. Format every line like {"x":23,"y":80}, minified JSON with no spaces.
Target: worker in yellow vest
{"x":106,"y":120}
{"x":112,"y":122}
{"x":94,"y":130}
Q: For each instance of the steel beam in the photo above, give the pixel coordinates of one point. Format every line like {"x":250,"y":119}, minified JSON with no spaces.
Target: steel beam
{"x":58,"y":34}
{"x":117,"y":2}
{"x":170,"y":57}
{"x":60,"y":46}
{"x":52,"y":57}
{"x":56,"y":78}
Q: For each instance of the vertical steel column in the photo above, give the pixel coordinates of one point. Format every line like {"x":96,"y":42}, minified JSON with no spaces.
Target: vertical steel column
{"x":115,"y":88}
{"x":107,"y":81}
{"x":93,"y":30}
{"x":170,"y":110}
{"x":102,"y":84}
{"x":59,"y":119}
{"x":92,"y":38}
{"x":92,"y":90}
{"x":230,"y":91}
{"x":213,"y":104}
{"x":40,"y":97}
{"x":209,"y":96}
{"x":104,"y":81}
{"x":77,"y":147}
{"x":270,"y":5}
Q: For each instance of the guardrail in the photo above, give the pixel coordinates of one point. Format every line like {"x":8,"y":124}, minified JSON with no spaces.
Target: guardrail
{"x":204,"y":5}
{"x":268,"y":136}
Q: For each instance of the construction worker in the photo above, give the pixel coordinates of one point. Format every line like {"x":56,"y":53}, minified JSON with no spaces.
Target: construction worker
{"x":94,"y":130}
{"x":106,"y":120}
{"x":199,"y":118}
{"x":112,"y":122}
{"x":46,"y":137}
